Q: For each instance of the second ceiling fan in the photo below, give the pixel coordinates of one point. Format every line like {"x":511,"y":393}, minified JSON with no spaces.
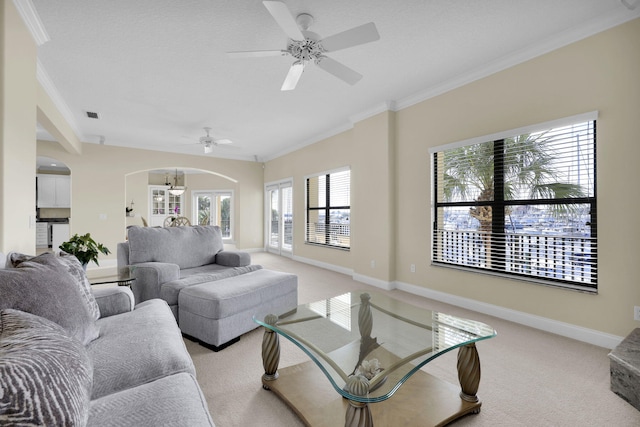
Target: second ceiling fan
{"x":306,"y":46}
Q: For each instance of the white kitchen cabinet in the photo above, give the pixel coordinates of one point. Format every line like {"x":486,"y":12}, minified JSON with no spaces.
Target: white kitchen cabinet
{"x":54,"y":191}
{"x":42,"y":235}
{"x":59,"y":235}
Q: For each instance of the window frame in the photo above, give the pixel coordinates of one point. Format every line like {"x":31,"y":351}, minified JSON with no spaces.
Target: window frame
{"x":499,"y":203}
{"x":327,"y":208}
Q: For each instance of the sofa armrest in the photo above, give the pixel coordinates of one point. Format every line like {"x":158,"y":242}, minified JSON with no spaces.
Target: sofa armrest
{"x":233,"y":258}
{"x":149,"y":277}
{"x":114,"y":300}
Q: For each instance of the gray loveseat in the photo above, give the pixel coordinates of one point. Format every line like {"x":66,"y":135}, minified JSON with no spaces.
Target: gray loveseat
{"x":213,"y":293}
{"x":73,"y":355}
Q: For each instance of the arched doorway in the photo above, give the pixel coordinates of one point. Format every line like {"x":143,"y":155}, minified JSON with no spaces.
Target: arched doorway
{"x":209,"y":198}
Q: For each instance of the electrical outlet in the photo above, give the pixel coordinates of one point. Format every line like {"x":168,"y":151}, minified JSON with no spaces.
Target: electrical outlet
{"x":413,"y":268}
{"x":373,"y":263}
{"x":636,"y":312}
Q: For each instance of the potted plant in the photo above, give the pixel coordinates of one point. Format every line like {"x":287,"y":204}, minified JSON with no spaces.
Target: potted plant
{"x":84,"y":248}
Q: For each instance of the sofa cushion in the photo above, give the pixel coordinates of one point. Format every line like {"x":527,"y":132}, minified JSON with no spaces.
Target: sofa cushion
{"x":170,"y":290}
{"x":44,"y":286}
{"x":45,"y":374}
{"x":75,"y":269}
{"x":187,"y":247}
{"x":175,"y":400}
{"x":227,"y":297}
{"x":137,"y":347}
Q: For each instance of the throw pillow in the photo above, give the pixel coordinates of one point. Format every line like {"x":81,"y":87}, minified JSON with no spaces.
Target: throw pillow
{"x":75,"y":270}
{"x":43,"y":286}
{"x":45,"y":375}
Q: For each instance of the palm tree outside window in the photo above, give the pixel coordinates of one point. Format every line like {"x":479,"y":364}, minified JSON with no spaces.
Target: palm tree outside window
{"x":521,"y":204}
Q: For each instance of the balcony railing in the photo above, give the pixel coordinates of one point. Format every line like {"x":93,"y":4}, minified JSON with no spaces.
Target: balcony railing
{"x":329,"y":234}
{"x":563,"y":258}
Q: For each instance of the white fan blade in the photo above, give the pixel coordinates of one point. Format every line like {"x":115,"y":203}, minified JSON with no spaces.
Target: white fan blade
{"x":293,"y":76}
{"x":359,"y":35}
{"x":256,"y":53}
{"x":339,"y":70}
{"x":223,"y":141}
{"x":283,"y":17}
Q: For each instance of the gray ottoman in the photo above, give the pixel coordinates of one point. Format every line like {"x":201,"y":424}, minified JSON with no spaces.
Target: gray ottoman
{"x":217,"y":313}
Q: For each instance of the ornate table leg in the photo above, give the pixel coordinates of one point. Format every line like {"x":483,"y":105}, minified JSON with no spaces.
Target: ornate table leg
{"x":365,"y":318}
{"x":358,"y":413}
{"x":270,"y":352}
{"x":469,"y":372}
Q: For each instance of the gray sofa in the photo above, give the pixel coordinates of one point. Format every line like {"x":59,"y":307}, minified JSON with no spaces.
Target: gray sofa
{"x":163,"y":256}
{"x":74,"y":355}
{"x":212,"y":293}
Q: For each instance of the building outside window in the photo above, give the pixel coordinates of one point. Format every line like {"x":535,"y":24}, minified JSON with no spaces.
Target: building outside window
{"x":328,"y":209}
{"x":520,"y":203}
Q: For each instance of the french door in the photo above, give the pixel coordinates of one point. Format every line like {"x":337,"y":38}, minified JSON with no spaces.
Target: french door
{"x":279,"y":218}
{"x":214,"y":208}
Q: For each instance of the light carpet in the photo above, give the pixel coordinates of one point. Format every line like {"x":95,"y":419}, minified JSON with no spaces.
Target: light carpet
{"x":529,"y":377}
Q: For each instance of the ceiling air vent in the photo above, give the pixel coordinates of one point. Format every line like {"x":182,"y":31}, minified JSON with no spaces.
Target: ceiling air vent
{"x":92,"y":115}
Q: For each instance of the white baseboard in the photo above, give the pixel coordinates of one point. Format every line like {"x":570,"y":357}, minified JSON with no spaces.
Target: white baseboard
{"x":250,"y":250}
{"x":326,"y":266}
{"x":568,"y":330}
{"x":382,"y":284}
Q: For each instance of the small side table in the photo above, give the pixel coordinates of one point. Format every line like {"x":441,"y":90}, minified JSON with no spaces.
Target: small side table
{"x":124,"y":278}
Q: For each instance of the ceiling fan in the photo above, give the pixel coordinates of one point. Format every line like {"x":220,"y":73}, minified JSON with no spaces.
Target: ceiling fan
{"x":209,"y":142}
{"x":306,"y":46}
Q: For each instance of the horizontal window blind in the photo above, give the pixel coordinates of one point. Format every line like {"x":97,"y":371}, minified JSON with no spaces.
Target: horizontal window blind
{"x":523,"y":205}
{"x":328,"y":200}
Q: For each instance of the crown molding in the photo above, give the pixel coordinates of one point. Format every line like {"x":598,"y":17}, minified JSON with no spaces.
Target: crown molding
{"x":373,"y":111}
{"x":567,"y":37}
{"x":57,"y":99}
{"x":316,"y":138}
{"x":30,"y":16}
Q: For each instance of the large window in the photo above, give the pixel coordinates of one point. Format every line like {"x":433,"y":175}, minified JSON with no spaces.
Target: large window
{"x":521,"y":203}
{"x":214,"y":208}
{"x":328,"y":209}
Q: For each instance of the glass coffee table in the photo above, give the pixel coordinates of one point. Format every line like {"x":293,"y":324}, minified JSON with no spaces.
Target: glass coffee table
{"x":365,"y":348}
{"x":124,"y":277}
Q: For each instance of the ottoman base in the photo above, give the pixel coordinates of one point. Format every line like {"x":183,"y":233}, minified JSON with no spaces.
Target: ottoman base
{"x":214,"y":348}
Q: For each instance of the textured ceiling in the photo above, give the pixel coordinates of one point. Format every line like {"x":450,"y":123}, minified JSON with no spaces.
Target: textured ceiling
{"x":157,"y":71}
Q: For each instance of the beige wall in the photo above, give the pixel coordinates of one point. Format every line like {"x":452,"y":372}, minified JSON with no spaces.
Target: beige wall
{"x":101,"y":175}
{"x":598,"y":73}
{"x":372,"y":198}
{"x":17,"y":132}
{"x":333,"y":153}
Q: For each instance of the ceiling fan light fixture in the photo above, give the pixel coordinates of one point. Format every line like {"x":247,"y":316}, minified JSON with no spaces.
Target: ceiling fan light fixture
{"x":293,"y":76}
{"x":208,"y":148}
{"x":175,"y":189}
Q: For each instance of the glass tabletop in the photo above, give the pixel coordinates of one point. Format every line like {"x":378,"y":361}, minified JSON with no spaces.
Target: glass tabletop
{"x":370,"y":334}
{"x":123,"y":277}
